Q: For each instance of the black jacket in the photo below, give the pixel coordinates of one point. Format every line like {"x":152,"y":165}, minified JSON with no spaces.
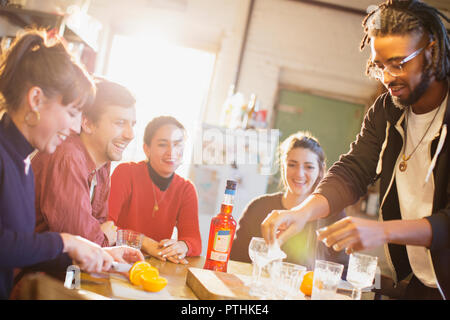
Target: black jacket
{"x":373,"y":156}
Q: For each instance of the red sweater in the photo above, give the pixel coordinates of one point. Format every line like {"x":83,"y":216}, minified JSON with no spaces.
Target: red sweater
{"x":132,"y":200}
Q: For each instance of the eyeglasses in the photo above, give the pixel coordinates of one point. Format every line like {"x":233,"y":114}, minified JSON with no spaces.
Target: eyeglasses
{"x":395,"y":69}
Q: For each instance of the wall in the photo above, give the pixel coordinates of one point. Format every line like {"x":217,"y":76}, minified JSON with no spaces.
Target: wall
{"x":295,"y":44}
{"x":216,"y":26}
{"x":7,"y":28}
{"x":312,"y":48}
{"x":289,"y":43}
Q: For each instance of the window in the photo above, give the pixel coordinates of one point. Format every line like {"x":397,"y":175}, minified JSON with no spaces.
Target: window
{"x":167,"y":80}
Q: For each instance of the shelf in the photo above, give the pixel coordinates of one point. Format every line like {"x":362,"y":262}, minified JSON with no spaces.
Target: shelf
{"x":25,"y":18}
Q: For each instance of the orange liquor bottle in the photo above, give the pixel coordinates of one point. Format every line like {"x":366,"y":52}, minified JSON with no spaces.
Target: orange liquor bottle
{"x":221,"y":233}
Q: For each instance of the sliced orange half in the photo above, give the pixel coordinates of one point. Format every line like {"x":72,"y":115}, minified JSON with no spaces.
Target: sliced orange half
{"x":153,"y":284}
{"x":137,"y":269}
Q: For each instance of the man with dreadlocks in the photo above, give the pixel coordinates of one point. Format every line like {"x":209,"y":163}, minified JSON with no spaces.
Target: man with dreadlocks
{"x":403,"y":142}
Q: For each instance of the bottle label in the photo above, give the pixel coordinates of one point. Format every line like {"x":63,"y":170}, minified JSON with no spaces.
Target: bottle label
{"x":222,"y":241}
{"x":218,"y":256}
{"x":230,"y":191}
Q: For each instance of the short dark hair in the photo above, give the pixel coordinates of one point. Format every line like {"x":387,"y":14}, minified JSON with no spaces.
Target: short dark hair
{"x":108,"y":93}
{"x":399,"y":17}
{"x":157,"y":123}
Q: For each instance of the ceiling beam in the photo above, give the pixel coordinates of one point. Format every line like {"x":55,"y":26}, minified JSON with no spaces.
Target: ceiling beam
{"x":333,"y":7}
{"x":337,"y":7}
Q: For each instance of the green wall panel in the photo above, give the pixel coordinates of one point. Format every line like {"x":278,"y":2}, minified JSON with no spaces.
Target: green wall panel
{"x":334,"y":123}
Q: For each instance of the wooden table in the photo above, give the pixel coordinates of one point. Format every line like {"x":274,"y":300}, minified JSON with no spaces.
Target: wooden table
{"x":175,"y":274}
{"x":98,"y":286}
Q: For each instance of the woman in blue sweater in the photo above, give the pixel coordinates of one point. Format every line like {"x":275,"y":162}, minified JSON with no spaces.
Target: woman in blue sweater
{"x":42,"y":93}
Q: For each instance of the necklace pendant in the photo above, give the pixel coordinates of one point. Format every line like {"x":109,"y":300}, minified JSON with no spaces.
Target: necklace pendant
{"x":402,"y":166}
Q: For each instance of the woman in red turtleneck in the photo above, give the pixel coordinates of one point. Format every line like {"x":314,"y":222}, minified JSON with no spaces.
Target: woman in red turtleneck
{"x":149,"y":197}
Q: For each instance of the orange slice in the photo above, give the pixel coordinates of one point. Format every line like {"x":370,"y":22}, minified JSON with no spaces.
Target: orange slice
{"x":150,"y":273}
{"x":307,"y":283}
{"x":137,"y":269}
{"x":153,"y":284}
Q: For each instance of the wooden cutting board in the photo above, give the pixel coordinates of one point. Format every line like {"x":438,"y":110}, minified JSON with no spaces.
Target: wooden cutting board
{"x":213,"y":285}
{"x":122,"y":289}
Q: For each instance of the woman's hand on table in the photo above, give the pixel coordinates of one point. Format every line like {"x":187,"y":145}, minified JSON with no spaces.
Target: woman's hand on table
{"x":167,"y":249}
{"x":152,"y":247}
{"x":175,"y":251}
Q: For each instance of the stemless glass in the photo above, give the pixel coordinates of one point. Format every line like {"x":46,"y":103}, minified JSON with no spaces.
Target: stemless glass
{"x":327,"y":276}
{"x":129,"y":238}
{"x":286,"y":278}
{"x":361,"y":272}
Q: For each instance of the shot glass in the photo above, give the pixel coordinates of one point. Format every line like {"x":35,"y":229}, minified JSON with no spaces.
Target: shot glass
{"x":129,"y":238}
{"x":327,"y":276}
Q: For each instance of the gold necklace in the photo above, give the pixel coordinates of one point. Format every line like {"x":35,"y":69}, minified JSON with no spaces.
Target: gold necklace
{"x":156,"y":206}
{"x":402,"y":166}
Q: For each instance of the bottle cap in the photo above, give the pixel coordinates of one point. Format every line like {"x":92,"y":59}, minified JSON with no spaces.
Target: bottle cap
{"x":231,"y":184}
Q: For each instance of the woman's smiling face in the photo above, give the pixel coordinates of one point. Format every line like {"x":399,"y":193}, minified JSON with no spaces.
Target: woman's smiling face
{"x":301,"y":171}
{"x":165,"y":151}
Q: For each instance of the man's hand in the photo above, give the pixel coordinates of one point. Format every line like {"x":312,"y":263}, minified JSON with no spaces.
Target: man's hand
{"x":280,"y":225}
{"x":353,"y":234}
{"x":110,"y":230}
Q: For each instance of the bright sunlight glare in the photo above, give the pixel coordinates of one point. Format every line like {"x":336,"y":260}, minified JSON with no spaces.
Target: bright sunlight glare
{"x":167,"y":80}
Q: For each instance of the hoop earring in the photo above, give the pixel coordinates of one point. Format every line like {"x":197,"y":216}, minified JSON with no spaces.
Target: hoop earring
{"x":32,"y":118}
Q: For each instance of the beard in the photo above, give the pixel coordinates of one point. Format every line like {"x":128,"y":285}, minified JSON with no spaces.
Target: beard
{"x":416,"y":93}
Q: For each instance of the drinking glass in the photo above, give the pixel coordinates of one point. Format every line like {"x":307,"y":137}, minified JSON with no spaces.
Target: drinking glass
{"x":286,"y":278}
{"x":256,"y":250}
{"x":327,"y":276}
{"x":361,"y":272}
{"x":260,"y":254}
{"x":129,"y":238}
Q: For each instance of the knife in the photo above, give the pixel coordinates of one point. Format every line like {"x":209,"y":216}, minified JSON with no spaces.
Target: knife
{"x":121,"y":267}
